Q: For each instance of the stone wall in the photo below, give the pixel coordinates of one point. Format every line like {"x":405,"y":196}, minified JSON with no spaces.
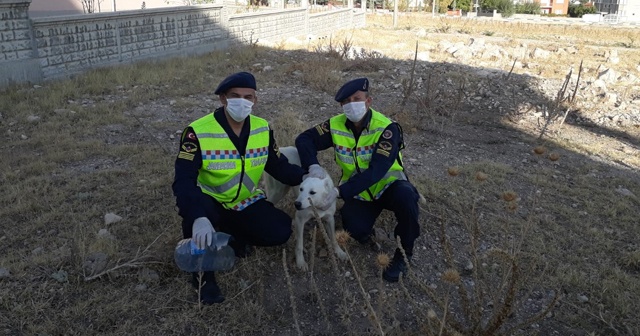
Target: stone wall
{"x":326,"y":22}
{"x":17,"y":56}
{"x":271,"y":25}
{"x":32,"y":50}
{"x":85,"y":41}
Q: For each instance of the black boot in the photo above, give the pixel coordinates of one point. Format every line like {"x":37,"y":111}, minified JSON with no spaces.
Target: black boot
{"x":210,"y":293}
{"x":241,"y":250}
{"x":397,"y":266}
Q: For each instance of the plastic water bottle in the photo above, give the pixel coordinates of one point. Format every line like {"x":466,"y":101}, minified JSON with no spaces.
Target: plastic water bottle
{"x":216,"y":257}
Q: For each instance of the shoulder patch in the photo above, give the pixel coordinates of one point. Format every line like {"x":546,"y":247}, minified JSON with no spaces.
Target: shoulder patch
{"x":186,"y":156}
{"x":387,"y":134}
{"x":189,"y":147}
{"x":383,"y":152}
{"x":385,"y":145}
{"x":323,"y":128}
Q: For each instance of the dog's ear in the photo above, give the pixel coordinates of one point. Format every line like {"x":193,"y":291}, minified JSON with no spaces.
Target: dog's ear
{"x":328,"y":184}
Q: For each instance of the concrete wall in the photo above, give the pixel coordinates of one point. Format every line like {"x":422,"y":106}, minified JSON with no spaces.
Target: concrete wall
{"x":33,"y":50}
{"x":326,"y":22}
{"x":47,"y":8}
{"x":75,"y":43}
{"x":271,"y":25}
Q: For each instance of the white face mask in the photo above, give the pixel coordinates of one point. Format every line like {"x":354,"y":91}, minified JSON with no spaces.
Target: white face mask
{"x":354,"y":111}
{"x":238,"y":108}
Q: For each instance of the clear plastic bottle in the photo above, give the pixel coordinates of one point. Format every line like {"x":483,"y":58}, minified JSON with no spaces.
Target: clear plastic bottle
{"x":216,"y":257}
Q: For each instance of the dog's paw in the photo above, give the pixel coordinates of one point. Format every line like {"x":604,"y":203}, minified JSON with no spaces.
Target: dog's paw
{"x":342,"y":255}
{"x":302,"y":265}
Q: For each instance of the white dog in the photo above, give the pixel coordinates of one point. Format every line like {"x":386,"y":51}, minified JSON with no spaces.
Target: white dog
{"x":311,"y":190}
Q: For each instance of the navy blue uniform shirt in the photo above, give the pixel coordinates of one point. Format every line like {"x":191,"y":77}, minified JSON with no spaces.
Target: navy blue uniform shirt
{"x":385,"y":153}
{"x":189,"y":197}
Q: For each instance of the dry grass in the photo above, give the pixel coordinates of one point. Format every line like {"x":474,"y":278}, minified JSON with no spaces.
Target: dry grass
{"x":533,"y":229}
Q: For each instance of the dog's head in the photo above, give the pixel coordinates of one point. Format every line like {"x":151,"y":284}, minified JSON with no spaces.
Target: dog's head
{"x":315,"y":189}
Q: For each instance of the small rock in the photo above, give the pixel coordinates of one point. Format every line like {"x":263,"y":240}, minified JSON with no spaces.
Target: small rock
{"x":33,"y":118}
{"x":60,"y":276}
{"x":95,"y":263}
{"x":37,"y":86}
{"x":178,"y":132}
{"x":111,"y":218}
{"x":267,"y":68}
{"x":104,"y":233}
{"x":172,"y":102}
{"x":141,"y":288}
{"x":624,"y":191}
{"x":469,"y":266}
{"x":347,"y":274}
{"x":172,"y":136}
{"x":24,"y":137}
{"x":37,"y":250}
{"x":4,"y":273}
{"x":583,"y":298}
{"x":540,"y":53}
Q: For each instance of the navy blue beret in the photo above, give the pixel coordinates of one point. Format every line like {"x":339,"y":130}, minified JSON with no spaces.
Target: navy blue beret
{"x":237,"y":80}
{"x":351,"y":87}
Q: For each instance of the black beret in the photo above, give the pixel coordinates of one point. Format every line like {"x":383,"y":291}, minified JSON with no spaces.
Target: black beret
{"x":358,"y":84}
{"x":237,"y":80}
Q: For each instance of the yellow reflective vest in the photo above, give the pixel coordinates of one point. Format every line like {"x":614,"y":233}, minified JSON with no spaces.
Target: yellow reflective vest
{"x":225,"y":175}
{"x":353,"y":157}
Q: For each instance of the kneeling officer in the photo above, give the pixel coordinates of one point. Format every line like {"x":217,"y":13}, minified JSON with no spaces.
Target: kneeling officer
{"x":220,"y":161}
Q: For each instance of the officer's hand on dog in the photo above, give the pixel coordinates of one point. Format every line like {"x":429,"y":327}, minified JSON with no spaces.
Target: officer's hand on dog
{"x":315,"y":171}
{"x":202,"y":232}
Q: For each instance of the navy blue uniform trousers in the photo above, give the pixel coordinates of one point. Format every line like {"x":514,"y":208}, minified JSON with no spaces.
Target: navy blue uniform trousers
{"x":259,"y":224}
{"x":358,"y":217}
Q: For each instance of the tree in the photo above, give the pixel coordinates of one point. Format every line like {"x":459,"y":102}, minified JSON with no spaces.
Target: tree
{"x":504,"y":7}
{"x":465,"y":5}
{"x":529,"y":7}
{"x":580,"y":10}
{"x":443,"y":5}
{"x":91,"y":6}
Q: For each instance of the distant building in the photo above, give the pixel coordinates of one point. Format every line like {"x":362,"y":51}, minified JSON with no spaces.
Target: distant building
{"x":557,"y":7}
{"x":627,"y":10}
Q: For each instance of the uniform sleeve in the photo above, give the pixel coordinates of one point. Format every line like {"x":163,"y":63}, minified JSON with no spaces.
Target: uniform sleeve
{"x":279,"y":167}
{"x":311,"y":141}
{"x":384,"y":155}
{"x":189,"y":198}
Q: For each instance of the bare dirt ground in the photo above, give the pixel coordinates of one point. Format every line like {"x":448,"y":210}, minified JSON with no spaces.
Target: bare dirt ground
{"x":513,"y":235}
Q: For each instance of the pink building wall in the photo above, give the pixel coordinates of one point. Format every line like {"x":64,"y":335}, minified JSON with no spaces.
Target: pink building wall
{"x":40,"y":8}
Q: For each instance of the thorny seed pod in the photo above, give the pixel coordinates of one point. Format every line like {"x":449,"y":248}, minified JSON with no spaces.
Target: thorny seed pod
{"x":513,"y":206}
{"x":451,"y":276}
{"x":480,"y":176}
{"x":453,"y":171}
{"x":554,"y":156}
{"x":343,"y":237}
{"x":539,"y":150}
{"x":383,"y":260}
{"x":509,"y":196}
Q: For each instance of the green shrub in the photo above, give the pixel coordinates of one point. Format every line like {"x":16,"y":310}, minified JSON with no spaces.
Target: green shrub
{"x":505,"y":7}
{"x":529,"y":7}
{"x":580,"y":10}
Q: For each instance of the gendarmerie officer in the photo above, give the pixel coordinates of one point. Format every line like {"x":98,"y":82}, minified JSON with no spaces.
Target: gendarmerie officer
{"x":219,"y":164}
{"x":366,"y":147}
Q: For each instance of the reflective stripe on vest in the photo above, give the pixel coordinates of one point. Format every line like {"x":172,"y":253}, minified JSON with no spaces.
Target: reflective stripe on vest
{"x":354,"y":157}
{"x":226,"y":175}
